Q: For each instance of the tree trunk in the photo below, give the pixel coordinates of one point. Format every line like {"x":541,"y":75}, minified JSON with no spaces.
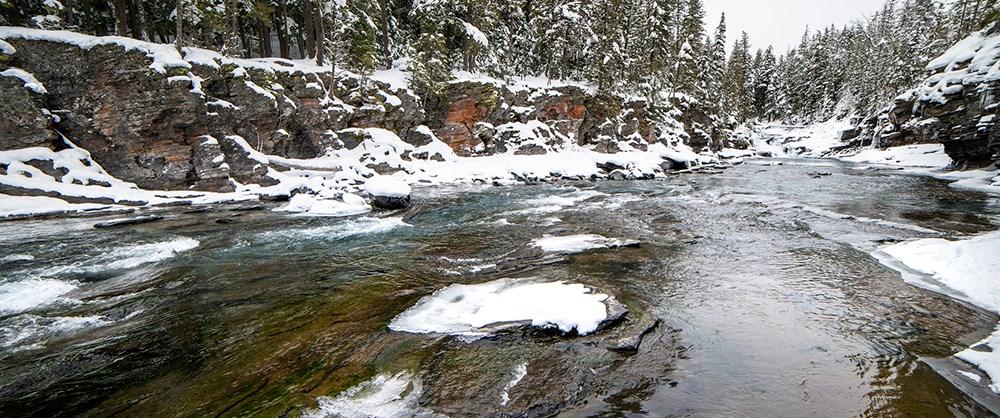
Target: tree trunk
{"x":385,"y":33}
{"x":310,"y":28}
{"x":179,"y":33}
{"x":281,"y":25}
{"x":121,"y":18}
{"x":320,"y":34}
{"x":231,"y":45}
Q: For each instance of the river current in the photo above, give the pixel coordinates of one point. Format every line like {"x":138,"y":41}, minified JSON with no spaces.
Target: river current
{"x":753,"y":293}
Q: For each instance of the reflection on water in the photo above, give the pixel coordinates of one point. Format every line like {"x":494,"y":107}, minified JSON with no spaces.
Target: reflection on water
{"x":769,"y":301}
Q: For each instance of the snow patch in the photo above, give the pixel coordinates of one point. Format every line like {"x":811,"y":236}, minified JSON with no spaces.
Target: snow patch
{"x":465,"y":309}
{"x":30,"y":82}
{"x":574,"y":243}
{"x":966,"y":270}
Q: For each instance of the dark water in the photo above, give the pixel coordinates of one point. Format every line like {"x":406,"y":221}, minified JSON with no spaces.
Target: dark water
{"x":769,"y":301}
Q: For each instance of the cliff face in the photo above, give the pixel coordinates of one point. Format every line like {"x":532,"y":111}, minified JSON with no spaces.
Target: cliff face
{"x":144,"y":112}
{"x":957,"y":105}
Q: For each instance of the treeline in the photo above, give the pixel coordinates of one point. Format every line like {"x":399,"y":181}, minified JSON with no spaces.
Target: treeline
{"x":861,"y":67}
{"x":622,"y":45}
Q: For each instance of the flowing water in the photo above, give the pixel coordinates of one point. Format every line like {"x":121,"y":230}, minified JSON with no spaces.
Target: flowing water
{"x":768,"y":303}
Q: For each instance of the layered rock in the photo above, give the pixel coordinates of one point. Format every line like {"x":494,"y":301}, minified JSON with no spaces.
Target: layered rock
{"x":957,"y":105}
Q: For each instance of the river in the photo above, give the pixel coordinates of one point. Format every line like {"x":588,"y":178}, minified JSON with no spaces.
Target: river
{"x":768,"y":300}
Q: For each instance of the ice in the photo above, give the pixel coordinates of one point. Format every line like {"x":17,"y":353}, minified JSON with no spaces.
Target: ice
{"x":384,"y":396}
{"x":386,"y":186}
{"x":574,"y":243}
{"x":465,"y":309}
{"x":28,"y":294}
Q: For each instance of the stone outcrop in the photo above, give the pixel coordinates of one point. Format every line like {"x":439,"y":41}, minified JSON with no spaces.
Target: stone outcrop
{"x":957,"y":105}
{"x":171,"y":129}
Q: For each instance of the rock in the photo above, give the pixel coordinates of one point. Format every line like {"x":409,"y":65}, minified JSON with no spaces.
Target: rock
{"x":24,"y":120}
{"x":618,"y":175}
{"x":128,"y":222}
{"x":630,"y":344}
{"x":388,"y":193}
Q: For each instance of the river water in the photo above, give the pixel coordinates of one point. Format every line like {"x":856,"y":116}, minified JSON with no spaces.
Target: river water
{"x":768,"y":303}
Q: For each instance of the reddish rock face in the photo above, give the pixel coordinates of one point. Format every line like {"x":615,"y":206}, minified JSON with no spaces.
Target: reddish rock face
{"x":462,"y":115}
{"x":567,"y":108}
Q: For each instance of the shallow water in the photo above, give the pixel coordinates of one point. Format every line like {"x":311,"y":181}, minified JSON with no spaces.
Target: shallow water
{"x":770,"y":303}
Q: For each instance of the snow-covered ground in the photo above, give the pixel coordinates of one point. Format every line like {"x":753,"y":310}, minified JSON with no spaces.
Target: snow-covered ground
{"x":465,"y":309}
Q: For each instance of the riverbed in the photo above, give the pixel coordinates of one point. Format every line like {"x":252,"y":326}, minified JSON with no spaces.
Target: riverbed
{"x":753,"y":292}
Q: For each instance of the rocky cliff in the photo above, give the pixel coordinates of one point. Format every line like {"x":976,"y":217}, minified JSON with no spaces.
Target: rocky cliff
{"x":200,"y":121}
{"x":957,"y":105}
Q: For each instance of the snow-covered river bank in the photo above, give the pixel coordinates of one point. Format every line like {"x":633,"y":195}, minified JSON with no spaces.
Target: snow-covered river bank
{"x":751,"y":292}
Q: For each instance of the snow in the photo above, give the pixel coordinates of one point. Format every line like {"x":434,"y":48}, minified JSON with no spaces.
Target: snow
{"x":36,"y":205}
{"x":6,"y":48}
{"x":465,"y":309}
{"x":921,"y":155}
{"x":574,"y":243}
{"x":971,"y":62}
{"x":163,"y":55}
{"x":477,"y":35}
{"x":965,"y":269}
{"x":386,"y":186}
{"x":806,"y":141}
{"x":30,"y":82}
{"x":348,"y":205}
{"x":383,"y":396}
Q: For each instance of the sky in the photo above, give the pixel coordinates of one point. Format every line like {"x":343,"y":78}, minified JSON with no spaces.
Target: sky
{"x":781,"y":23}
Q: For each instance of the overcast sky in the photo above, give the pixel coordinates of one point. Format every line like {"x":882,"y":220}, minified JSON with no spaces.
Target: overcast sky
{"x":781,"y":22}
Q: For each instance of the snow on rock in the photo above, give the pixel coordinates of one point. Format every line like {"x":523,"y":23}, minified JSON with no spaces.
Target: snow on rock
{"x":36,"y":205}
{"x":387,"y":186}
{"x":163,"y":55}
{"x":6,"y":48}
{"x":964,"y":269}
{"x":808,"y":141}
{"x":383,"y":396}
{"x":922,"y":155}
{"x":972,"y":61}
{"x":348,"y":205}
{"x":30,"y":82}
{"x":575,"y":243}
{"x":466,"y":309}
